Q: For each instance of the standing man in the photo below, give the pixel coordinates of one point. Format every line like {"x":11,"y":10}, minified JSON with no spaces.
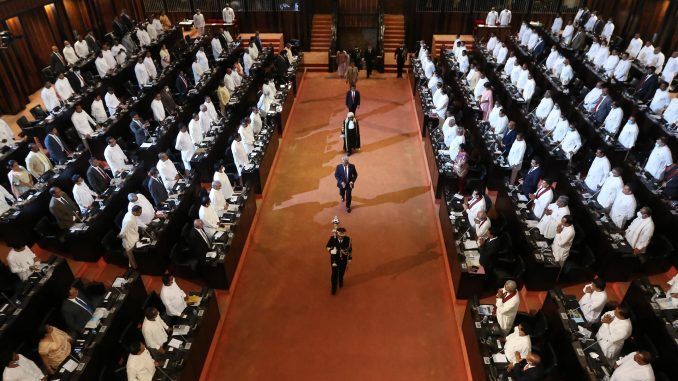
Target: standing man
{"x":346,"y":175}
{"x":199,"y":22}
{"x":340,"y":249}
{"x":352,"y":75}
{"x":400,"y":57}
{"x":352,"y":99}
{"x":370,"y":56}
{"x":228,"y":15}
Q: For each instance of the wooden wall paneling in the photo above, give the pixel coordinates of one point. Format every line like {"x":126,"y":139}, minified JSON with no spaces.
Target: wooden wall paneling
{"x":50,"y":12}
{"x":13,"y":98}
{"x":78,"y":16}
{"x":37,"y":31}
{"x":14,"y":7}
{"x":31,"y":78}
{"x":107,"y":12}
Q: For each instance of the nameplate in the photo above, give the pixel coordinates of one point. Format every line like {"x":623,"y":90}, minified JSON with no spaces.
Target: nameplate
{"x":486,"y":360}
{"x":201,"y":312}
{"x":103,"y":328}
{"x":187,"y":346}
{"x":478,"y":325}
{"x":580,"y":352}
{"x":563,"y":315}
{"x":17,"y":311}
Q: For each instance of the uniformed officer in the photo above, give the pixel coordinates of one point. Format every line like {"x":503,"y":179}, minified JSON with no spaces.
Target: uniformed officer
{"x":339,"y":247}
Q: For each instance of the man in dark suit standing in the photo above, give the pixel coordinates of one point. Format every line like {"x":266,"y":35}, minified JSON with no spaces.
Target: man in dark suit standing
{"x":76,"y":311}
{"x":603,"y":107}
{"x":98,"y":178}
{"x":530,"y":180}
{"x":352,"y":99}
{"x":76,"y":80}
{"x":199,"y":241}
{"x":346,"y":175}
{"x":370,"y":57}
{"x":56,"y":147}
{"x":57,"y":61}
{"x":139,"y":129}
{"x":156,"y":187}
{"x":578,"y":40}
{"x":63,"y":208}
{"x":181,"y":84}
{"x":527,"y":369}
{"x":400,"y":57}
{"x":488,"y":251}
{"x":340,"y":249}
{"x":538,"y":49}
{"x":647,"y":85}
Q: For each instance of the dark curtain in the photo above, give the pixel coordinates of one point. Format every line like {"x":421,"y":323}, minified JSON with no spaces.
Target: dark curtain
{"x":39,"y":35}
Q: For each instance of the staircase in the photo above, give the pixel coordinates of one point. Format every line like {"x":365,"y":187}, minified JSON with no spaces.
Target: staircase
{"x":321,"y":33}
{"x":394,"y":35}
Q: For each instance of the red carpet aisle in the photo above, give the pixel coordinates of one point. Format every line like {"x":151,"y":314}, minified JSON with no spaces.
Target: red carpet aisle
{"x":393,"y":319}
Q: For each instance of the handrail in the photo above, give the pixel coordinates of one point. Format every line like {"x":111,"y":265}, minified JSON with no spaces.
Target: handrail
{"x":334,"y":44}
{"x":380,"y":36}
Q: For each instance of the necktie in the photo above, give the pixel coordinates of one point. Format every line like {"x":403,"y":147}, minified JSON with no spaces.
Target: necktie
{"x":346,"y":169}
{"x":204,"y":236}
{"x":84,"y":305}
{"x":56,"y":138}
{"x":103,"y":173}
{"x":599,"y":102}
{"x":59,"y":57}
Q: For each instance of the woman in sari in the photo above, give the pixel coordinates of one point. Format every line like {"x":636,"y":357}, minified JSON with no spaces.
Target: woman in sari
{"x":460,"y":168}
{"x":164,"y":56}
{"x":486,"y":101}
{"x":342,"y":63}
{"x":351,"y":134}
{"x":20,"y":179}
{"x":54,"y":347}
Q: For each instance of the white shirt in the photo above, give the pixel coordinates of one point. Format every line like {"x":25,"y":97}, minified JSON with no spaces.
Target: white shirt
{"x":505,"y":17}
{"x":562,"y":243}
{"x":50,"y":98}
{"x":610,"y":64}
{"x":212,"y":111}
{"x":199,"y":20}
{"x":609,"y":190}
{"x":110,"y":59}
{"x":566,"y":74}
{"x":671,"y":113}
{"x":480,"y":87}
{"x":81,"y":48}
{"x":657,"y":61}
{"x":216,"y":47}
{"x":551,"y":59}
{"x":474,"y":207}
{"x":83,"y":123}
{"x":102,"y":66}
{"x":516,"y":343}
{"x":63,"y":88}
{"x":629,"y":370}
{"x":463,"y":63}
{"x":601,"y":56}
{"x":205,"y":121}
{"x":590,"y":23}
{"x":659,"y":159}
{"x":173,"y":298}
{"x":186,"y":145}
{"x":628,"y":135}
{"x":83,"y":196}
{"x":646,"y":54}
{"x":506,"y":311}
{"x":639,"y":233}
{"x":561,"y":130}
{"x":230,"y":84}
{"x":501,"y":56}
{"x":611,"y":336}
{"x":217,"y":200}
{"x":508,"y":67}
{"x":491,"y":43}
{"x":228,"y":15}
{"x":168,"y":173}
{"x":150,"y":67}
{"x":129,"y":232}
{"x":634,"y":47}
{"x":197,"y":72}
{"x":70,"y":55}
{"x":557,"y":25}
{"x":553,"y":119}
{"x":544,"y":108}
{"x":613,"y":120}
{"x":623,"y":208}
{"x":544,"y":198}
{"x":6,"y":133}
{"x":592,"y":304}
{"x":247,"y":61}
{"x":491,"y":18}
{"x":120,"y":53}
{"x":593,"y":50}
{"x":115,"y":158}
{"x":257,"y":123}
{"x":147,"y":209}
{"x":441,"y":105}
{"x":528,"y":90}
{"x":670,"y":69}
{"x":37,"y":163}
{"x":155,"y":332}
{"x":548,"y":223}
{"x":660,"y":101}
{"x":607,"y":30}
{"x":202,"y":60}
{"x":140,"y":367}
{"x":158,"y":110}
{"x":112,"y":102}
{"x":453,"y":150}
{"x":143,"y":78}
{"x":152,"y":32}
{"x":598,"y":171}
{"x":144,"y":37}
{"x":592,"y":98}
{"x":20,"y":262}
{"x":621,"y":71}
{"x":568,"y":33}
{"x":26,"y":371}
{"x":226,"y":187}
{"x":240,"y":157}
{"x":429,"y":69}
{"x":210,"y":220}
{"x":99,"y":111}
{"x":515,"y":156}
{"x":195,"y":131}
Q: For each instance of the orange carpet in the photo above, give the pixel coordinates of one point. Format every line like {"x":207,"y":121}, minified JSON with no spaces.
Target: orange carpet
{"x":393,"y":320}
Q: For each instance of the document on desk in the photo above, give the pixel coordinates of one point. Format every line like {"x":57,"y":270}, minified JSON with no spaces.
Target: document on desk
{"x":521,"y":197}
{"x":70,"y":365}
{"x":180,"y":330}
{"x":499,"y":358}
{"x":175,"y":343}
{"x":119,"y":282}
{"x":469,"y":245}
{"x":531,"y":223}
{"x":485,"y":309}
{"x":584,"y":332}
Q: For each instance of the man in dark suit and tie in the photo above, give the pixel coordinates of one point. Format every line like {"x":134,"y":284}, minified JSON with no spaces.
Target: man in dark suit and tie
{"x":156,"y":187}
{"x":139,"y":129}
{"x":538,"y":49}
{"x":648,"y":85}
{"x":57,"y":61}
{"x":76,"y":80}
{"x":370,"y":58}
{"x":181,"y":84}
{"x":56,"y":147}
{"x":353,"y":99}
{"x":598,"y":26}
{"x":76,"y":311}
{"x":199,"y":242}
{"x":578,"y":40}
{"x":346,"y":175}
{"x":63,"y":208}
{"x":119,"y":28}
{"x":98,"y":178}
{"x":488,"y":251}
{"x":527,"y":369}
{"x":530,"y":180}
{"x":603,"y":107}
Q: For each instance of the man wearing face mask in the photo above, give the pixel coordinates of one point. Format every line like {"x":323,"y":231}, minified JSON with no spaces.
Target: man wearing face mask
{"x":659,"y":159}
{"x":553,"y":215}
{"x":623,"y":207}
{"x":639,"y":233}
{"x":634,"y":366}
{"x":593,"y":301}
{"x":629,"y":134}
{"x":598,"y":171}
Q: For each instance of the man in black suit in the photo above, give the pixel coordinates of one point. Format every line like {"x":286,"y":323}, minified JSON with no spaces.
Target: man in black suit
{"x":346,"y":175}
{"x":119,"y":28}
{"x":63,"y":208}
{"x":578,"y":40}
{"x":340,"y":249}
{"x":370,"y":57}
{"x":199,"y":241}
{"x":647,"y":85}
{"x":530,"y":180}
{"x":181,"y":84}
{"x":56,"y":147}
{"x":156,"y":187}
{"x":57,"y":61}
{"x":488,"y":251}
{"x":400,"y":57}
{"x":538,"y":50}
{"x":527,"y":369}
{"x":352,"y":99}
{"x":98,"y":178}
{"x":76,"y":311}
{"x":76,"y":80}
{"x":603,"y":107}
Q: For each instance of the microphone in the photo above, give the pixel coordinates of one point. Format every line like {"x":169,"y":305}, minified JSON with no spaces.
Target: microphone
{"x":9,"y":300}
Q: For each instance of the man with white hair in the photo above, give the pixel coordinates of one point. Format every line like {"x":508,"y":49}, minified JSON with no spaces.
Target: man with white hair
{"x":147,"y":211}
{"x":542,"y":198}
{"x":553,"y":215}
{"x":168,"y":172}
{"x":216,"y":197}
{"x":623,"y":207}
{"x":639,"y":233}
{"x":507,"y":303}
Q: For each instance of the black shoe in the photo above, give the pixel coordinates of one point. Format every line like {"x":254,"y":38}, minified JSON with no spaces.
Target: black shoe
{"x":348,"y":209}
{"x":334,"y":291}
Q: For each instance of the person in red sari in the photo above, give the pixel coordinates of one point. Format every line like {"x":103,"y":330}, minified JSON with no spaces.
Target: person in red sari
{"x":461,"y":168}
{"x":487,"y":101}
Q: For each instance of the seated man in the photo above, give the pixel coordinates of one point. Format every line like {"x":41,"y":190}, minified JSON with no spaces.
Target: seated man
{"x":19,"y":368}
{"x":54,"y":347}
{"x":518,"y":343}
{"x":172,"y":296}
{"x":636,"y":366}
{"x":140,"y":364}
{"x":526,"y":369}
{"x":154,"y":330}
{"x":593,"y":301}
{"x":76,"y":311}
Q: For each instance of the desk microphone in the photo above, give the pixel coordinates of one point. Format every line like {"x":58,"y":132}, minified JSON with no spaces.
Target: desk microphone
{"x":9,"y":300}
{"x":159,"y":368}
{"x":594,"y":343}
